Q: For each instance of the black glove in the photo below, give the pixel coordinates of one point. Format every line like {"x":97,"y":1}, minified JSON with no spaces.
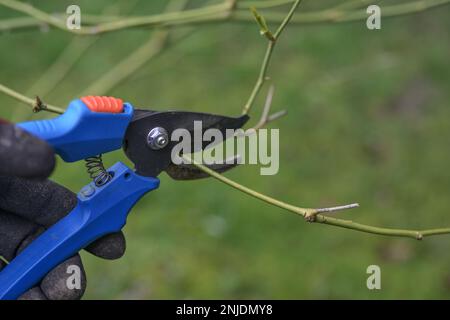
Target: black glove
{"x":29,"y":204}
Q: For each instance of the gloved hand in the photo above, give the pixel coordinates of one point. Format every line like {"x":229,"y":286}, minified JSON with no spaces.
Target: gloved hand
{"x":29,"y":204}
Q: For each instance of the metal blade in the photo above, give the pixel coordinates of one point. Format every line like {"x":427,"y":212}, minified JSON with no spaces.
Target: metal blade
{"x":150,"y":162}
{"x":191,"y":172}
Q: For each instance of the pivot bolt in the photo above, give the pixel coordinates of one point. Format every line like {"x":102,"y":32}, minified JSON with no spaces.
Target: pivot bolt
{"x":157,"y":138}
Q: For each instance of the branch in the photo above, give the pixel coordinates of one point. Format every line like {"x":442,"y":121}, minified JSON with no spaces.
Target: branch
{"x":2,"y":258}
{"x":304,"y":212}
{"x":265,"y":118}
{"x":310,"y":214}
{"x":315,"y":214}
{"x":223,"y":9}
{"x":263,"y":4}
{"x":353,"y":4}
{"x":36,"y":104}
{"x":340,"y":15}
{"x":95,"y":24}
{"x":272,"y":41}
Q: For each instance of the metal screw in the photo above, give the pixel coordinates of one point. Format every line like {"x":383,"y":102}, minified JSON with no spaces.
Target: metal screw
{"x":157,"y":138}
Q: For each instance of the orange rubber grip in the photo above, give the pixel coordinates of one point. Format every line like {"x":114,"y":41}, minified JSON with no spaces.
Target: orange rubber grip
{"x":103,"y":104}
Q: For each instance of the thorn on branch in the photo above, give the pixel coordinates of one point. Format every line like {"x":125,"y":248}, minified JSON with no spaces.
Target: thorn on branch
{"x":39,"y":105}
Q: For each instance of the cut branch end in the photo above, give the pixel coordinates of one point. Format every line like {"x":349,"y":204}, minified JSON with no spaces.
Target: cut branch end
{"x":310,"y":216}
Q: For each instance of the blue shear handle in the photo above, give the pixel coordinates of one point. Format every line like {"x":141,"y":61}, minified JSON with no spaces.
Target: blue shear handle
{"x":100,"y":210}
{"x":80,"y":133}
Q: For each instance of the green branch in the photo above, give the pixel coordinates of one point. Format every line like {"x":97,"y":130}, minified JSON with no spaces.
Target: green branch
{"x":227,"y":11}
{"x":315,"y":215}
{"x":223,"y":9}
{"x":272,"y":37}
{"x":341,"y":15}
{"x":263,"y":4}
{"x":36,"y":104}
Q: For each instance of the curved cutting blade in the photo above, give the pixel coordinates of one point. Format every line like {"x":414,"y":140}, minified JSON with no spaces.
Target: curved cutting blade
{"x":150,"y":162}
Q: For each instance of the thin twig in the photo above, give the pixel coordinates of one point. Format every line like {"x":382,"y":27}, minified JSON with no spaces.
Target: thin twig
{"x":304,"y":212}
{"x":265,"y":117}
{"x":36,"y":104}
{"x":266,"y":109}
{"x":276,"y":115}
{"x":271,"y":45}
{"x":337,"y":208}
{"x":337,"y":15}
{"x":307,"y":213}
{"x":95,"y":24}
{"x":286,"y":20}
{"x":125,"y":23}
{"x":2,"y":258}
{"x":353,"y":4}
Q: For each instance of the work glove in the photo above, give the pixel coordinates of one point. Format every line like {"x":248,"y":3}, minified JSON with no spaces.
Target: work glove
{"x":30,"y":204}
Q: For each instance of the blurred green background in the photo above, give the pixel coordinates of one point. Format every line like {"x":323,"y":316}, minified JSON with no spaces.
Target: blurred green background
{"x":368,"y":122}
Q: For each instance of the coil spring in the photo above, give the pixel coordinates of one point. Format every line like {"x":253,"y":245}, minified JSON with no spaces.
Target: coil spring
{"x":97,"y":170}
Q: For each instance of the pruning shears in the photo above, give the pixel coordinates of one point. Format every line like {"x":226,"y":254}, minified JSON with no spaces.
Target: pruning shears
{"x":92,"y":126}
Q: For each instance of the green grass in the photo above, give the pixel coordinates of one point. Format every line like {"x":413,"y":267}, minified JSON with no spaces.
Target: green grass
{"x":368,"y":122}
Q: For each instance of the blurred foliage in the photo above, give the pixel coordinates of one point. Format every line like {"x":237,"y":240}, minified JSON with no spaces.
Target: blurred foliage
{"x":368,"y":122}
